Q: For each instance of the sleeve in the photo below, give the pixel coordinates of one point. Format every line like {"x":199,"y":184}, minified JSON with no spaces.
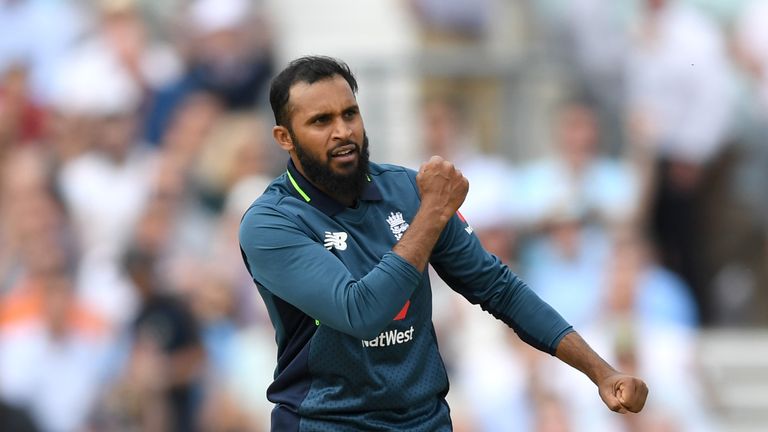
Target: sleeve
{"x":483,"y":279}
{"x":288,"y":263}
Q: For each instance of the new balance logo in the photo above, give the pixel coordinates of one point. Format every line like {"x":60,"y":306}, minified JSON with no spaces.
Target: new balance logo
{"x":397,"y":224}
{"x":335,"y":240}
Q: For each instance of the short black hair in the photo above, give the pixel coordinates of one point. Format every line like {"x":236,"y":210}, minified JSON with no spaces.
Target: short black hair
{"x":309,"y":69}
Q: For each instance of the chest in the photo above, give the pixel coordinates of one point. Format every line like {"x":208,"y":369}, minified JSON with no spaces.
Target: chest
{"x":359,"y":237}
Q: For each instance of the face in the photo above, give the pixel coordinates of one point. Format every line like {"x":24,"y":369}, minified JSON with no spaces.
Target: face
{"x":578,"y":135}
{"x":349,"y":185}
{"x":116,"y":135}
{"x":327,"y":137}
{"x":441,"y":129}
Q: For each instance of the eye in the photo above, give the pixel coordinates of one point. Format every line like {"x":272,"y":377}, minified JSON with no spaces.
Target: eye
{"x":321,"y":119}
{"x":350,"y":113}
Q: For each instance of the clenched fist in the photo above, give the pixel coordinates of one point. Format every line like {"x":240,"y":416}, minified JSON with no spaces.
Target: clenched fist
{"x":442,"y":187}
{"x":623,"y":393}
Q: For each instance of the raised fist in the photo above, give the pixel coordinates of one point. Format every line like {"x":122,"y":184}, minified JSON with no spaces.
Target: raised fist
{"x":442,"y":187}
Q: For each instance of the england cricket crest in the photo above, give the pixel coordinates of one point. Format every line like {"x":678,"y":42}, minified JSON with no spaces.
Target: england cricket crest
{"x":397,"y":224}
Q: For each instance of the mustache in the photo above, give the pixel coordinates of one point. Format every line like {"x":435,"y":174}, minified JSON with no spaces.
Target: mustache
{"x":358,"y":146}
{"x":345,"y":143}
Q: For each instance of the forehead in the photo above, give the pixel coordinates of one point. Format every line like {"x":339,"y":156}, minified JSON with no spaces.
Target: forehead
{"x":328,"y":94}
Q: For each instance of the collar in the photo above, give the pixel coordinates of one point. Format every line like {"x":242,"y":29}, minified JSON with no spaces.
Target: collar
{"x":305,"y":190}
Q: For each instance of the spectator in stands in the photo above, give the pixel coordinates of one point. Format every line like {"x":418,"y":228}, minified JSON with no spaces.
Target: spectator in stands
{"x":490,"y":207}
{"x":122,"y":29}
{"x":38,"y":35}
{"x":24,"y":207}
{"x":750,"y":253}
{"x":235,"y":148}
{"x":167,"y":358}
{"x":53,"y":347}
{"x":679,"y":85}
{"x":485,"y":381}
{"x":229,"y":56}
{"x":565,"y":264}
{"x":232,"y":54}
{"x":593,"y":39}
{"x":751,"y":39}
{"x":21,"y":119}
{"x":605,"y":190}
{"x":15,"y":419}
{"x":647,"y":309}
{"x":643,"y":290}
{"x":462,"y":29}
{"x":454,"y":19}
{"x":106,"y":187}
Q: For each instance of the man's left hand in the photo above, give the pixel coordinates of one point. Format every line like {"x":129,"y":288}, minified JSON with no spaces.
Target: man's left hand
{"x":623,"y":393}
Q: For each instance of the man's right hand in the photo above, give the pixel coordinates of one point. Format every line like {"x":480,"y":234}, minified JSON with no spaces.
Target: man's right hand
{"x":442,"y":187}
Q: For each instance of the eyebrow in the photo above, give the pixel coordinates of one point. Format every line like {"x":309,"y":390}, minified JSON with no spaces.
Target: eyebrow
{"x":312,"y":118}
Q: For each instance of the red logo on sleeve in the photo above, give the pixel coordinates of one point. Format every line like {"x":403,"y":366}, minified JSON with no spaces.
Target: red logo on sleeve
{"x":403,"y":311}
{"x":467,"y":228}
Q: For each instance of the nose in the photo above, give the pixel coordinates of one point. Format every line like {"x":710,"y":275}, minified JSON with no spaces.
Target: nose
{"x":342,"y":131}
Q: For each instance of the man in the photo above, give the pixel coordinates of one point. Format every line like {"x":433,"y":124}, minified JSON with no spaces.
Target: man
{"x":338,"y":248}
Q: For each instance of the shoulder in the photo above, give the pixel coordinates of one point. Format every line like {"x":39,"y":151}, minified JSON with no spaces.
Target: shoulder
{"x":275,"y":198}
{"x":276,"y":206}
{"x":392,"y":176}
{"x":376,"y":168}
{"x":384,"y":169}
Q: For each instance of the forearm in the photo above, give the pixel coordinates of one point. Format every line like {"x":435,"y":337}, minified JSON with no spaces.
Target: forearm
{"x":574,"y":351}
{"x":442,"y":189}
{"x":483,"y":279}
{"x":420,"y":238}
{"x":360,"y":308}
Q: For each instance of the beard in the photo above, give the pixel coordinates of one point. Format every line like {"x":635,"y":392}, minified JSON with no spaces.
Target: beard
{"x":335,"y":184}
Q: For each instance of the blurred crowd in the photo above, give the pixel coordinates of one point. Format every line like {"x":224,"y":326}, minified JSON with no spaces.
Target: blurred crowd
{"x":134,"y":134}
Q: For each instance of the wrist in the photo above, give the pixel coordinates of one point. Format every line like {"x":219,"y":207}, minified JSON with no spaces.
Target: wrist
{"x":434,"y":212}
{"x":603,"y":372}
{"x":574,"y":351}
{"x":432,"y":219}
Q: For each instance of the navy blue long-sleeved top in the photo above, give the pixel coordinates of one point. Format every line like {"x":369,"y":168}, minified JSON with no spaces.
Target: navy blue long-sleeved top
{"x":353,"y":320}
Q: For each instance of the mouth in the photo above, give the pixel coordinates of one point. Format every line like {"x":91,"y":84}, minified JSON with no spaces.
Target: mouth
{"x":345,"y":153}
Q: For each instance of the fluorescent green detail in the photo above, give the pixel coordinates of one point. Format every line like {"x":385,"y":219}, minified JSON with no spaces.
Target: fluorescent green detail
{"x":298,"y":189}
{"x":317,"y":322}
{"x":368,"y":177}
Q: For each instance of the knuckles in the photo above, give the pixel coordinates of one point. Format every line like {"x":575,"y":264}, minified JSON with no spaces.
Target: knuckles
{"x":439,"y":167}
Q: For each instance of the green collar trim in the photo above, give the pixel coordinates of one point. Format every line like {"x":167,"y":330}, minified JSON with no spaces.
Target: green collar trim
{"x":298,"y":189}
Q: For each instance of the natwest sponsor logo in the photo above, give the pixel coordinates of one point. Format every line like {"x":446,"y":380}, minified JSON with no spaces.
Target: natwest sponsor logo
{"x":391,"y":337}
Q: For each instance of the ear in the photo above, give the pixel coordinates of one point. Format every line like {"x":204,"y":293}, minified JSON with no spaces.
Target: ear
{"x":282,"y":137}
